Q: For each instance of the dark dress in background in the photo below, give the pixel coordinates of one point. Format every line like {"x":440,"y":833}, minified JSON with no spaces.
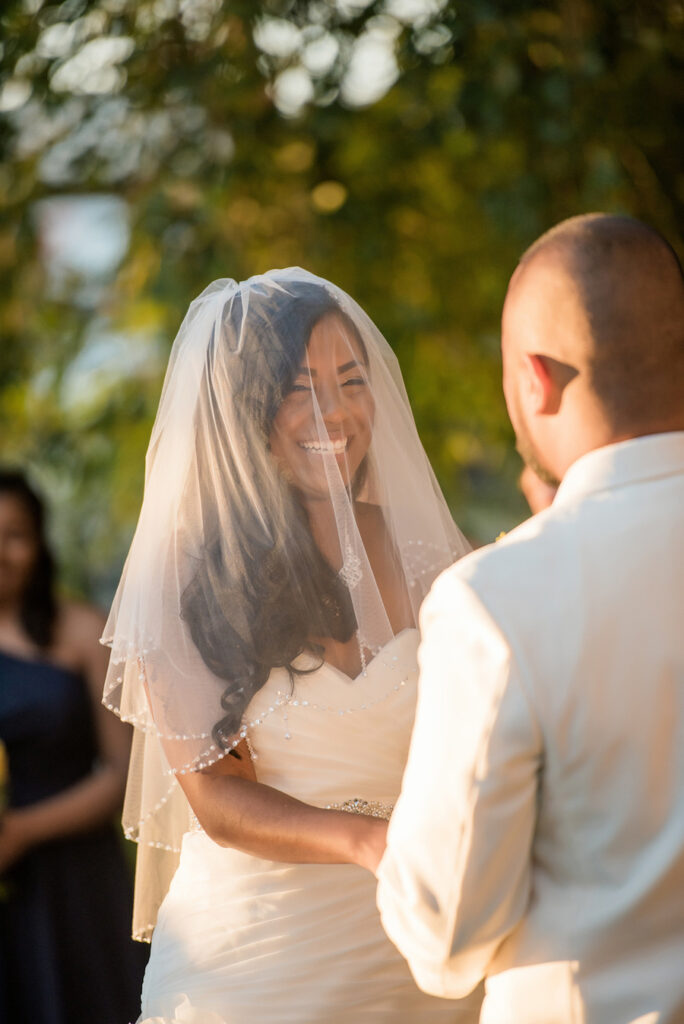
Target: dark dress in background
{"x":66,"y":956}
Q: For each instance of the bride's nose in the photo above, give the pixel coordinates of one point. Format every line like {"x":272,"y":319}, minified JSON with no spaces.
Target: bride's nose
{"x":330,"y":403}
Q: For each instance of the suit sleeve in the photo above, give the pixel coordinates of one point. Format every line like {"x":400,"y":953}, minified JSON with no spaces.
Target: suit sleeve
{"x":455,"y":878}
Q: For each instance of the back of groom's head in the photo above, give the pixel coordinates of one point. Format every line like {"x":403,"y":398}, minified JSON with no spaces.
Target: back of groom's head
{"x":630,"y":285}
{"x":593,"y":340}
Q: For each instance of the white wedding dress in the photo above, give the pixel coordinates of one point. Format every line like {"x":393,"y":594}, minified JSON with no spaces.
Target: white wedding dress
{"x":241,"y":940}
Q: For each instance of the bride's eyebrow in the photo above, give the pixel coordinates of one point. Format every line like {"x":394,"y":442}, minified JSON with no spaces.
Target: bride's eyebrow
{"x":349,"y":366}
{"x":310,"y":371}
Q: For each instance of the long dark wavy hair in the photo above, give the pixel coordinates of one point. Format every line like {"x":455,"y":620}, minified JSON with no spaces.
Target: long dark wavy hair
{"x":38,"y":611}
{"x":249,"y":609}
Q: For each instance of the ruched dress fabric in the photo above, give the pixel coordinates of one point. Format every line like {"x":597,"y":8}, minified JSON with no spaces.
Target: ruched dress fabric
{"x":240,"y":940}
{"x":66,"y":956}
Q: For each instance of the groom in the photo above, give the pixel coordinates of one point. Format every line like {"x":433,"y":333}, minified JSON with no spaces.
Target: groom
{"x":539,"y":838}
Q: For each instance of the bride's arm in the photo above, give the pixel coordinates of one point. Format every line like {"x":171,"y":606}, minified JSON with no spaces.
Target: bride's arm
{"x":235,"y":810}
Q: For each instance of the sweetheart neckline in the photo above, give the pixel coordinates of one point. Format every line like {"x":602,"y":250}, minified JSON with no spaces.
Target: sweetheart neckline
{"x":351,"y":680}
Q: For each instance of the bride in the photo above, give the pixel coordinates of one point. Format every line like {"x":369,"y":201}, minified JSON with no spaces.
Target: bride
{"x":264,"y":645}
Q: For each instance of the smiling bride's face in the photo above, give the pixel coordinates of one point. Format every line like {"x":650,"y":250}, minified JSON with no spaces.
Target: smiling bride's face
{"x":334,"y":376}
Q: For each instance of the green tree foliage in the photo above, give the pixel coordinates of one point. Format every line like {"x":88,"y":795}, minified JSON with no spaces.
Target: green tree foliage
{"x":406,"y":149}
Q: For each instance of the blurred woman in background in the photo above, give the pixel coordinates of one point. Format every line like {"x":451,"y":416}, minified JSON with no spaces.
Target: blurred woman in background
{"x":65,"y":952}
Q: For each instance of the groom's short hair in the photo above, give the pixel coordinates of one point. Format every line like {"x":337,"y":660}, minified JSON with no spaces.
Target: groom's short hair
{"x":631,"y":285}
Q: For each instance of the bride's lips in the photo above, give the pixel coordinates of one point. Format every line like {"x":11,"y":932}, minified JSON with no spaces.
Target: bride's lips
{"x":333,"y":446}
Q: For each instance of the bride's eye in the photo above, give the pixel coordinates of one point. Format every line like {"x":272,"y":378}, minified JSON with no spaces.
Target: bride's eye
{"x":354,"y":381}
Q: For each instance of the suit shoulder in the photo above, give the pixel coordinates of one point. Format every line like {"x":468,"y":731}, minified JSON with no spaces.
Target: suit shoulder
{"x":520,"y":569}
{"x":517,"y":546}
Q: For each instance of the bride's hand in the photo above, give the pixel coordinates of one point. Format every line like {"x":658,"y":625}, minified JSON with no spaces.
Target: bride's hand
{"x":371,"y":844}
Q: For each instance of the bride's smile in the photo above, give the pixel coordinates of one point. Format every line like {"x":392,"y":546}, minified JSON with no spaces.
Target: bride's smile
{"x":336,"y":447}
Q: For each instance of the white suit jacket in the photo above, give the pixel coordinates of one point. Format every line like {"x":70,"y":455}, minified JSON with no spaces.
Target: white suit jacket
{"x":539,"y":837}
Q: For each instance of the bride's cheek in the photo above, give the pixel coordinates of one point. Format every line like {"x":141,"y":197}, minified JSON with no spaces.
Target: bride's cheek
{"x":369,"y":411}
{"x":368,"y":421}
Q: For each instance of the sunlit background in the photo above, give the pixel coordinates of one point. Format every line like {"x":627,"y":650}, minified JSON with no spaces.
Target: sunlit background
{"x":408,"y":150}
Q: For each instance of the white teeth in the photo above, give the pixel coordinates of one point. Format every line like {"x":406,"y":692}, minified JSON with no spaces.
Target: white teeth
{"x":325,"y":447}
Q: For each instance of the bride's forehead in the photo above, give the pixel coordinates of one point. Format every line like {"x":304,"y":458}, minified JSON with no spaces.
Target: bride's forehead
{"x":332,"y":340}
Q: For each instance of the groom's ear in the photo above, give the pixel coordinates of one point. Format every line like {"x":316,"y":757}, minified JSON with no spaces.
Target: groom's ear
{"x":544,"y":383}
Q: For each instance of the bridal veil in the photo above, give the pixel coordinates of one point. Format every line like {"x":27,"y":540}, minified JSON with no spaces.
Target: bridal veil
{"x":285,"y":485}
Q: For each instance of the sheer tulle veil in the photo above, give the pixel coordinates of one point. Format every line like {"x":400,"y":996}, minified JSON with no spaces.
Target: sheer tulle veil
{"x":285,"y":485}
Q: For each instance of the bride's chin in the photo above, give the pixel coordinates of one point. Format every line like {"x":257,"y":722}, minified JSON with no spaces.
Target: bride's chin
{"x":314,"y":488}
{"x":313,"y":480}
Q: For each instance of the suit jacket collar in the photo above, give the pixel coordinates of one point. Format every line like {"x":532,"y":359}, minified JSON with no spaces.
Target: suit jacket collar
{"x":616,"y":465}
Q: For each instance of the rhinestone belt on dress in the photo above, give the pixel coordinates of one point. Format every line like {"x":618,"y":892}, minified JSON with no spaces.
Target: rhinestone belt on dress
{"x":372,"y":808}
